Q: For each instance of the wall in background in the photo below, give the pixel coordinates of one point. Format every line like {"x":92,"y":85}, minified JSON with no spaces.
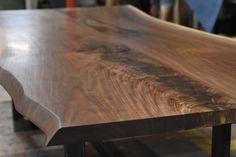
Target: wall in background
{"x":12,"y":4}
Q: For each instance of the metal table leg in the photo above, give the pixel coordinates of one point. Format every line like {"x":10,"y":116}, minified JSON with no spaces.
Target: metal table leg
{"x":221,"y":137}
{"x":74,"y":150}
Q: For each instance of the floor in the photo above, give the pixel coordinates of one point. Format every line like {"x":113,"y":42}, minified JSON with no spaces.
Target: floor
{"x":195,"y":143}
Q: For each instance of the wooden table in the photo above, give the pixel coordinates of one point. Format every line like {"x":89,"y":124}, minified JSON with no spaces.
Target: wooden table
{"x":86,"y":75}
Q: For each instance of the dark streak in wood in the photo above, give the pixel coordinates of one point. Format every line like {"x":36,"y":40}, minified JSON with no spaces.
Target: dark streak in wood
{"x":107,"y":28}
{"x":160,"y":74}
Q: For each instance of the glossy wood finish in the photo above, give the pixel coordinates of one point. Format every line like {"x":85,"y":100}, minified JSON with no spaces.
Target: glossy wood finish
{"x":100,"y":73}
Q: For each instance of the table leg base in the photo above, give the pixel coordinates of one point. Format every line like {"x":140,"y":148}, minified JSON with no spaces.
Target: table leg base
{"x":19,"y":122}
{"x":74,"y":150}
{"x":101,"y":149}
{"x":221,"y":137}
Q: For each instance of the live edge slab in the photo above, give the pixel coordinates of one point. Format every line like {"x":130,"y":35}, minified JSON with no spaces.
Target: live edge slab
{"x":92,"y":74}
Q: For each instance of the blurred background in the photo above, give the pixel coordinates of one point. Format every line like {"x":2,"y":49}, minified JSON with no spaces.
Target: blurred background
{"x":215,"y":16}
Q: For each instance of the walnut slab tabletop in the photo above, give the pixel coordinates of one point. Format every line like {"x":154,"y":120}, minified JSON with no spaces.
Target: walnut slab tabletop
{"x":110,"y":72}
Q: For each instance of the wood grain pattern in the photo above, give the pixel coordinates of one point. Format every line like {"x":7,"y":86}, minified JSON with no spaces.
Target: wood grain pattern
{"x":111,"y":72}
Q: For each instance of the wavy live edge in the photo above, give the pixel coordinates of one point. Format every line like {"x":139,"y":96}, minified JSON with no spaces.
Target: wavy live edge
{"x":110,"y":72}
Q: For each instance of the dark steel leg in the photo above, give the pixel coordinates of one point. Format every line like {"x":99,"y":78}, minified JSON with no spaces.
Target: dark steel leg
{"x":101,"y":149}
{"x":74,"y":150}
{"x":221,"y":137}
{"x":19,"y":123}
